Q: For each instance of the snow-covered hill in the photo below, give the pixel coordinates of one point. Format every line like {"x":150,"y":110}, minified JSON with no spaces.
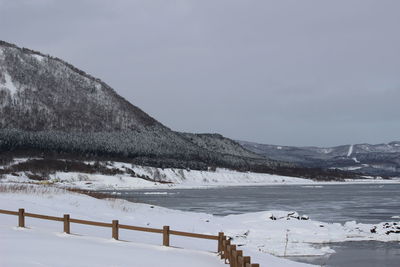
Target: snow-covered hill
{"x":47,"y":105}
{"x":50,"y":109}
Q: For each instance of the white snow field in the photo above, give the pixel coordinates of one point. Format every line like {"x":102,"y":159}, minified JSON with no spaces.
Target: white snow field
{"x":40,"y":247}
{"x":260,"y":235}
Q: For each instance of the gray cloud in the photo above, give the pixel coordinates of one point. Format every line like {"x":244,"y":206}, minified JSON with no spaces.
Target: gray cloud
{"x":286,"y":72}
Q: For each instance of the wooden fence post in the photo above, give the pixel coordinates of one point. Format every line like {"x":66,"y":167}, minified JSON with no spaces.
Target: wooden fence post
{"x":115,"y":229}
{"x":223,"y":248}
{"x":255,"y":265}
{"x":166,"y":236}
{"x":220,"y":238}
{"x":21,"y":218}
{"x":240,"y":261}
{"x":226,"y":250}
{"x":233,"y":256}
{"x":246,"y":261}
{"x":239,"y":253}
{"x":66,"y":224}
{"x":228,"y":255}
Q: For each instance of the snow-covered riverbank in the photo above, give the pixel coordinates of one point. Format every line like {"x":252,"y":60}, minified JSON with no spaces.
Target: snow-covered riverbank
{"x":144,"y":177}
{"x":260,"y":234}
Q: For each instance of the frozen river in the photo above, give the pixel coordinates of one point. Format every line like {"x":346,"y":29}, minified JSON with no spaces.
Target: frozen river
{"x":366,"y":203}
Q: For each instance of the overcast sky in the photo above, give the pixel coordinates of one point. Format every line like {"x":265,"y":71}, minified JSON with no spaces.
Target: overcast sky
{"x":297,"y":72}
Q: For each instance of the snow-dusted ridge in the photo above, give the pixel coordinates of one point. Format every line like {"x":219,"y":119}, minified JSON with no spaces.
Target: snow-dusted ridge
{"x":372,"y":159}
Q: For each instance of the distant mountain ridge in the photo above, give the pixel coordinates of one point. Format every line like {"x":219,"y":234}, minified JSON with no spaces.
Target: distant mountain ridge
{"x":379,"y":159}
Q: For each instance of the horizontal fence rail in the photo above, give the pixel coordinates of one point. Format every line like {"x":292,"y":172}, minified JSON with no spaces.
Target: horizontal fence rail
{"x":43,"y":217}
{"x":211,"y":237}
{"x":141,"y":229}
{"x":226,"y":250}
{"x":101,"y":224}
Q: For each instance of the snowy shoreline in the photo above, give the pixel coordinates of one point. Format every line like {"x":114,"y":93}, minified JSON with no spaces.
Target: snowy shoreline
{"x":98,"y":182}
{"x":134,"y":177}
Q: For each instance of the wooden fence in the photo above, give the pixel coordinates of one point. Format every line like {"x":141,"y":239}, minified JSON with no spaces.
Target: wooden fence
{"x":226,"y":250}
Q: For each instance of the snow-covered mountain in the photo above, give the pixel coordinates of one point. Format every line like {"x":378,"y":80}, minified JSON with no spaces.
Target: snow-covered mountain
{"x":380,"y":159}
{"x":47,"y":104}
{"x":50,"y":109}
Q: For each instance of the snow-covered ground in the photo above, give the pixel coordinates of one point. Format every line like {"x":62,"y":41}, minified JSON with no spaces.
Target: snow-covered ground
{"x":43,"y":244}
{"x":41,"y":247}
{"x":260,"y":235}
{"x":167,"y":178}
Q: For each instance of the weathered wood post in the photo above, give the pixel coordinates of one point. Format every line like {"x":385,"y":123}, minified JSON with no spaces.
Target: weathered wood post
{"x":239,"y":254}
{"x":21,"y":218}
{"x":255,"y":265}
{"x":226,"y":250}
{"x":166,"y":236}
{"x":66,"y":224}
{"x":232,"y":256}
{"x":223,"y":248}
{"x":246,"y":261}
{"x":115,"y":234}
{"x":240,"y":260}
{"x":220,"y":238}
{"x":229,"y":254}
